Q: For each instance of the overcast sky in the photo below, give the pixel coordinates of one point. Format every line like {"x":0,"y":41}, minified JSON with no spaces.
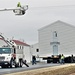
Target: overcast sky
{"x":39,"y":14}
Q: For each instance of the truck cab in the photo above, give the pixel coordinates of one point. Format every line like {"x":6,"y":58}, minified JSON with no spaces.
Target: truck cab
{"x":7,"y":57}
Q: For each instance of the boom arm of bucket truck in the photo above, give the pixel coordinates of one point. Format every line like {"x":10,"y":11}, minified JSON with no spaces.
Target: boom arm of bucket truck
{"x":19,"y":10}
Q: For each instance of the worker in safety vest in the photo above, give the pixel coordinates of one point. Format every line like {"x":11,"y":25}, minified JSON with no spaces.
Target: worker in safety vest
{"x":62,"y":59}
{"x":18,"y":5}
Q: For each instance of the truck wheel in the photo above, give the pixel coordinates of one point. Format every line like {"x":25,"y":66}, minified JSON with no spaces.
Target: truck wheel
{"x":11,"y":64}
{"x":16,"y":65}
{"x":2,"y":66}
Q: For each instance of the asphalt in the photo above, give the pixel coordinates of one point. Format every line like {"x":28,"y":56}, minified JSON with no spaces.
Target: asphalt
{"x":24,"y":68}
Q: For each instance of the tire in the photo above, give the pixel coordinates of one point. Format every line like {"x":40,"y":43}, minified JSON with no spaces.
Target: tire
{"x":16,"y":65}
{"x":4,"y":66}
{"x":11,"y":64}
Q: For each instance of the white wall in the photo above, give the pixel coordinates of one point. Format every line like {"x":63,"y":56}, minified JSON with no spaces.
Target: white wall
{"x":26,"y":53}
{"x":23,"y":53}
{"x":33,"y":49}
{"x":34,"y":52}
{"x":66,"y":37}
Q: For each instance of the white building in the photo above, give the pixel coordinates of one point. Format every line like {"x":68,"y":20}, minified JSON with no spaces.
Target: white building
{"x":57,"y":38}
{"x":22,"y":48}
{"x":35,"y":49}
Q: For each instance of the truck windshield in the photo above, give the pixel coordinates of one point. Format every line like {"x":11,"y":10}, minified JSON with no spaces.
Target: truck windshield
{"x":5,"y":50}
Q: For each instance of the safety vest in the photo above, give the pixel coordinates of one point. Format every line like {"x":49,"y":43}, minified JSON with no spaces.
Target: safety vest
{"x":62,"y":57}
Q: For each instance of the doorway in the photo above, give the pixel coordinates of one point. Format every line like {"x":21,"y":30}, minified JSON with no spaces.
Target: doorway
{"x":55,"y":50}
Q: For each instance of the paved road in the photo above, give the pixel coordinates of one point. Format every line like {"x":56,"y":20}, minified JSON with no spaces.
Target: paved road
{"x":24,"y":68}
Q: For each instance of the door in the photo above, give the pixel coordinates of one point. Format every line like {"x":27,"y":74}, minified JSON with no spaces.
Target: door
{"x":55,"y":50}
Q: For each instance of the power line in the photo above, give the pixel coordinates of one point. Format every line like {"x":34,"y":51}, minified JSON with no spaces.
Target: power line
{"x":54,"y":6}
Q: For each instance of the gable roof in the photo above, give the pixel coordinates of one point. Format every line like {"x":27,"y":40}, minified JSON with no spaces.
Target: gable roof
{"x":20,"y":43}
{"x":58,"y":21}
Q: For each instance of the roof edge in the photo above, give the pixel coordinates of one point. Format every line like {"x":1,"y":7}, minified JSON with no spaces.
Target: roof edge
{"x":56,"y":22}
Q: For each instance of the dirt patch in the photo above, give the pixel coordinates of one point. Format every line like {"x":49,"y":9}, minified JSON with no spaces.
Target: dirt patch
{"x":62,"y":71}
{"x":72,"y":74}
{"x":58,"y":70}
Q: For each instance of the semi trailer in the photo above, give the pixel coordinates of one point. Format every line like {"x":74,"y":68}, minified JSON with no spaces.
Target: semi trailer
{"x":56,"y":59}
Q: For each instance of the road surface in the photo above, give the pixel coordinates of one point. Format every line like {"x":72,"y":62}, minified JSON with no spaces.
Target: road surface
{"x":24,"y":68}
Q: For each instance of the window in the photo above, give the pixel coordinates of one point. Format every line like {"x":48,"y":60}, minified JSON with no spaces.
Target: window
{"x":17,"y":47}
{"x":5,"y":50}
{"x":22,"y":47}
{"x":55,"y":34}
{"x":37,"y":50}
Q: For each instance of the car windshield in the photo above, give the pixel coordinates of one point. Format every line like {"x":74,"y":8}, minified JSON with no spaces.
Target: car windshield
{"x":5,"y":50}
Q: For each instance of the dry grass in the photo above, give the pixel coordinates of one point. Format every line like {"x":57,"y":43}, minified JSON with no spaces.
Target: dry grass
{"x":58,"y":70}
{"x":62,"y":71}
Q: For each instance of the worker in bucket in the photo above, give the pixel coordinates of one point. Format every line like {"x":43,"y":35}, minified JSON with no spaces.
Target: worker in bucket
{"x":19,"y":4}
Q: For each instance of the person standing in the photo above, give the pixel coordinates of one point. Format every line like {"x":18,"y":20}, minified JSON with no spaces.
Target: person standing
{"x":59,"y":58}
{"x":72,"y":59}
{"x":62,"y":59}
{"x":33,"y":60}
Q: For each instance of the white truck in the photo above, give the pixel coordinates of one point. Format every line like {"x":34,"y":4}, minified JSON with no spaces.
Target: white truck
{"x":9,"y":56}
